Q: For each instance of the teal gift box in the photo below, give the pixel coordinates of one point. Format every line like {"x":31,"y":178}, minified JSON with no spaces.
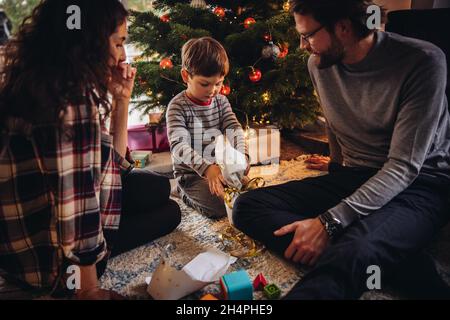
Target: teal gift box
{"x":141,"y":158}
{"x":237,"y":286}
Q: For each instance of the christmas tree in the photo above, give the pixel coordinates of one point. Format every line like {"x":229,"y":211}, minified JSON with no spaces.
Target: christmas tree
{"x":268,"y":81}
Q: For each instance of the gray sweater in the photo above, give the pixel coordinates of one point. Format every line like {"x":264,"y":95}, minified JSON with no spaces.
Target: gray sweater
{"x":388,"y":112}
{"x":192,"y":130}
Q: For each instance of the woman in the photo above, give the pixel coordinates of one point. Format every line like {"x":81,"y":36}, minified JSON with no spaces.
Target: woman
{"x":68,"y":192}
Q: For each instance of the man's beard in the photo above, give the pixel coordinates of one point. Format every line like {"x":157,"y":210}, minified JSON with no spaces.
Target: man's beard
{"x":333,"y":55}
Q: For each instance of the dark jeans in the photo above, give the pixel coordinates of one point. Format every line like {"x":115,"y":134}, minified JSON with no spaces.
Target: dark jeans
{"x":194,"y":191}
{"x":147,"y":212}
{"x":387,"y":238}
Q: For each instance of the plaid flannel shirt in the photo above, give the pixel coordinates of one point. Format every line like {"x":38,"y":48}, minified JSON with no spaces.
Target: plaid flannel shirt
{"x":58,"y":193}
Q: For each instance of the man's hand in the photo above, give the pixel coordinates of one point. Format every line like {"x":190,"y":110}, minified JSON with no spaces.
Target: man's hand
{"x":310,"y":240}
{"x":215,"y":180}
{"x":317,"y":162}
{"x":122,"y":82}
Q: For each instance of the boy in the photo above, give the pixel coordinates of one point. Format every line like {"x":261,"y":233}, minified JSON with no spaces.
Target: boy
{"x":195,"y":117}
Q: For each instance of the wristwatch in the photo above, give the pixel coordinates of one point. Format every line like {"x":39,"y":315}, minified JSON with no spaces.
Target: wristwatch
{"x":331,"y":224}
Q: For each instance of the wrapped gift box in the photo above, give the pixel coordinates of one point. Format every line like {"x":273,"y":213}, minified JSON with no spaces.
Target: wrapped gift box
{"x":264,"y":145}
{"x":148,"y":137}
{"x":141,"y":158}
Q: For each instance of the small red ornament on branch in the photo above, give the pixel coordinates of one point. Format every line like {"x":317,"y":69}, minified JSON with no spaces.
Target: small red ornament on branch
{"x":249,"y":22}
{"x":165,"y":18}
{"x":255,"y":75}
{"x":220,"y":12}
{"x":226,"y":90}
{"x":284,"y":50}
{"x":166,"y":63}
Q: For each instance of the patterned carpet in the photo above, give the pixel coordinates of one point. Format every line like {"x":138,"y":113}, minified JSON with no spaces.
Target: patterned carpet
{"x":126,"y":273}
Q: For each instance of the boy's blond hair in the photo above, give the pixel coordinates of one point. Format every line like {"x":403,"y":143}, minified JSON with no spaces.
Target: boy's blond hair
{"x":205,"y":57}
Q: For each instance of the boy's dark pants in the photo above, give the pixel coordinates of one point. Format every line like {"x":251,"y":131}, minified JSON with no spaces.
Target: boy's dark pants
{"x":389,"y":238}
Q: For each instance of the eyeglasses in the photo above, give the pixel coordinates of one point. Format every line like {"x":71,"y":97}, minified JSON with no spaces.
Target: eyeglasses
{"x":311,"y":34}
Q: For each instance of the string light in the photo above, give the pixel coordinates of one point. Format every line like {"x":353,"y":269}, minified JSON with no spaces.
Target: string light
{"x":267,"y":37}
{"x":266,"y":97}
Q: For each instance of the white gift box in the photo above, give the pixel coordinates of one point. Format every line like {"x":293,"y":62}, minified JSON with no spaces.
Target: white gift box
{"x":264,"y":145}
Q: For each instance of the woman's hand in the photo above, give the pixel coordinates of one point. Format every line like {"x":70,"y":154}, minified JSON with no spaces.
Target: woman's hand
{"x":122,"y":82}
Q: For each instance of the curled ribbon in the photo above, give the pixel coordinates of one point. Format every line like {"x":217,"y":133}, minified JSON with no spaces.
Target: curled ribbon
{"x":231,"y":192}
{"x":249,"y":247}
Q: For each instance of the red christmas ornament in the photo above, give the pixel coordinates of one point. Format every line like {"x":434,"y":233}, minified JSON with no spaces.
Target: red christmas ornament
{"x":248,"y":22}
{"x":255,"y":75}
{"x":220,"y":12}
{"x":166,"y":63}
{"x":267,"y":37}
{"x":165,"y":18}
{"x":226,"y":90}
{"x":284,"y":50}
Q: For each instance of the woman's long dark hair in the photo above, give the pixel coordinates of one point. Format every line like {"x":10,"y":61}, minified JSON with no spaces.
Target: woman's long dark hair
{"x":49,"y":66}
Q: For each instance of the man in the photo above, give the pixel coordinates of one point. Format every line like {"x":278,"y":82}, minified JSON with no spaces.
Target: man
{"x":386,"y":194}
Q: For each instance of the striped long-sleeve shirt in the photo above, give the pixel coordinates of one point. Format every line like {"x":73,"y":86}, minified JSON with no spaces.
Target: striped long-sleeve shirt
{"x":58,"y":194}
{"x":192,"y":130}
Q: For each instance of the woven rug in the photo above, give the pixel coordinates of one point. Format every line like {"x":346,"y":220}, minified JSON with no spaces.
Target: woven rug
{"x":127,"y":273}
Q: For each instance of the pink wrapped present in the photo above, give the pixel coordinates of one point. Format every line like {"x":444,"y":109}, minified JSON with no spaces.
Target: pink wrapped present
{"x":148,"y":137}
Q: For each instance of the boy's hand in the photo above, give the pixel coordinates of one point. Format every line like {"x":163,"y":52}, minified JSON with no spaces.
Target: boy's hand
{"x":215,"y":180}
{"x":245,"y":180}
{"x":248,"y":169}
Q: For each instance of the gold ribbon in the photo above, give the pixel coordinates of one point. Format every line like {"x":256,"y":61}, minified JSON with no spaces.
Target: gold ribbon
{"x":239,"y":244}
{"x":248,"y":246}
{"x":231,"y":192}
